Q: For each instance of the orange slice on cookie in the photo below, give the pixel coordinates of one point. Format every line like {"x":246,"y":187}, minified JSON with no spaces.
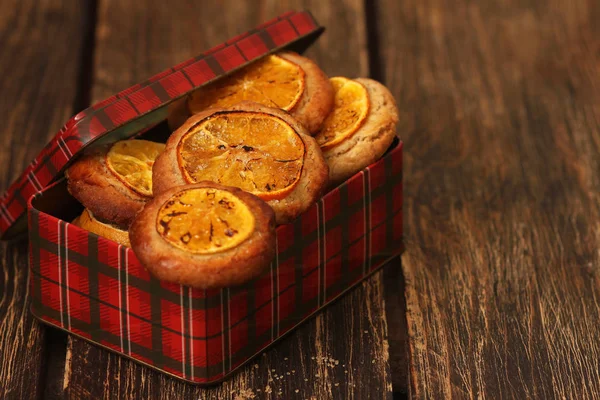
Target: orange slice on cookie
{"x":258,"y":149}
{"x":257,"y":152}
{"x":88,"y":222}
{"x":286,"y":81}
{"x":272,"y":81}
{"x":350,"y":110}
{"x":114,"y":182}
{"x":360,"y":128}
{"x":205,"y":220}
{"x":131,"y":161}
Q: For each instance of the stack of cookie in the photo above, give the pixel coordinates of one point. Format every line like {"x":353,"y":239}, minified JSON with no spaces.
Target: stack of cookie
{"x":248,"y":152}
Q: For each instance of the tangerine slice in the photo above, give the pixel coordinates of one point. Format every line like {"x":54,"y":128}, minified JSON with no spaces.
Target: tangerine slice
{"x":271,"y":81}
{"x":349,"y":112}
{"x":205,"y":220}
{"x":88,"y":222}
{"x":131,"y":161}
{"x":256,"y":152}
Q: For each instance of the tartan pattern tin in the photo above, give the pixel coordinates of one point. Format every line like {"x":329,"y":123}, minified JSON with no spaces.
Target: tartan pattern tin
{"x":97,"y":289}
{"x":145,"y":104}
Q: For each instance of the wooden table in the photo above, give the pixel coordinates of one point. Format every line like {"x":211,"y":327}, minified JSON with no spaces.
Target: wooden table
{"x":500,"y":114}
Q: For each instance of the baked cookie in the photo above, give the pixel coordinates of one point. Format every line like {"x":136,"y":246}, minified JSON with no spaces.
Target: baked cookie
{"x":360,"y":128}
{"x":114,"y":182}
{"x":259,"y":149}
{"x":88,"y":222}
{"x":204,"y":235}
{"x":286,"y":80}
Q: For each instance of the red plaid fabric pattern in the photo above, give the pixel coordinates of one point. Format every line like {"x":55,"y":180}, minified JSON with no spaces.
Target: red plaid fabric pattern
{"x":144,"y":105}
{"x":94,"y":288}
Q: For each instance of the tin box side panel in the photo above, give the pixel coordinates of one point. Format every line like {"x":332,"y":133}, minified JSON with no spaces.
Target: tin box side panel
{"x":97,"y":289}
{"x":342,"y":239}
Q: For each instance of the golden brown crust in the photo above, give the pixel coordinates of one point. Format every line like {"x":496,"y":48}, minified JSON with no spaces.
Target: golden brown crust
{"x":312,"y":108}
{"x":206,"y":271}
{"x":88,"y":222}
{"x":313,"y":180}
{"x":100,"y":191}
{"x":317,"y":100}
{"x":370,"y":141}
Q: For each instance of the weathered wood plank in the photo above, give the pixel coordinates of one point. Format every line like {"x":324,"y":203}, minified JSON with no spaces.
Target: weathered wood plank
{"x":501,"y":114}
{"x":353,"y":331}
{"x":395,"y":312}
{"x":38,"y":77}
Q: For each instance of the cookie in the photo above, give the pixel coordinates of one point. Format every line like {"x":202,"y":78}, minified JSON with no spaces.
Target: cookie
{"x":114,"y":182}
{"x":360,"y":129}
{"x":205,"y":235}
{"x":259,"y":149}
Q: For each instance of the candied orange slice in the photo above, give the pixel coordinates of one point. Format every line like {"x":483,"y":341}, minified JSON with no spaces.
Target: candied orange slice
{"x":205,"y":220}
{"x":349,"y":112}
{"x":88,"y":222}
{"x":131,"y":161}
{"x":271,"y":81}
{"x":256,"y":152}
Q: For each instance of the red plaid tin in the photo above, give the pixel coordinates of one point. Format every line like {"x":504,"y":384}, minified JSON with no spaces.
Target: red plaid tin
{"x":96,"y":289}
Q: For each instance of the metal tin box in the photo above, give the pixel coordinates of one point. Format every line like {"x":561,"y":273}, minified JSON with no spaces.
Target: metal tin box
{"x":97,"y":290}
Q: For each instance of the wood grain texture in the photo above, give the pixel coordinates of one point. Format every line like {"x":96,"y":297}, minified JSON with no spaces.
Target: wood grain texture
{"x":395,"y":312}
{"x":501,"y":122}
{"x":349,"y":340}
{"x":38,"y":82}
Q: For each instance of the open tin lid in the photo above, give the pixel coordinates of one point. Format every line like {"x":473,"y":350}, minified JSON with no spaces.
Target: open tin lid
{"x":144,"y":105}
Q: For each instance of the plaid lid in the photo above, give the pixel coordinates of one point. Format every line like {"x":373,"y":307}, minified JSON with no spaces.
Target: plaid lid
{"x":145,"y":104}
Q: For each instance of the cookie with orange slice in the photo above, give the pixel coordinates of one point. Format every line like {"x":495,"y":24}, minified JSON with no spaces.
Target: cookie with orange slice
{"x":360,"y":128}
{"x":204,"y":235}
{"x":114,"y":182}
{"x":259,"y":149}
{"x":285,"y":80}
{"x":88,"y":222}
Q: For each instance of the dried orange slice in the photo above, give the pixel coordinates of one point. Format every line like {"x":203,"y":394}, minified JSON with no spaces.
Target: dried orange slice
{"x":254,"y":151}
{"x":205,"y":220}
{"x":131,"y":161}
{"x":88,"y":222}
{"x":349,"y":112}
{"x":271,"y":81}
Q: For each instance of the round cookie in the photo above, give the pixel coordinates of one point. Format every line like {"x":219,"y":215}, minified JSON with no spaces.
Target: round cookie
{"x":310,"y":101}
{"x":260,"y":149}
{"x":360,"y":128}
{"x":115,"y":181}
{"x":204,"y":235}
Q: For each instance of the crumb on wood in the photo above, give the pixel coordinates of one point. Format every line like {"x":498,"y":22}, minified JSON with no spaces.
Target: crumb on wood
{"x":244,"y":394}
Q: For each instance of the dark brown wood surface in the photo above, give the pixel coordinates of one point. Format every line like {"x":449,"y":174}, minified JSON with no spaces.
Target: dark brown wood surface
{"x":500,"y":115}
{"x":500,"y":106}
{"x":38,"y":93}
{"x":340,"y":354}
